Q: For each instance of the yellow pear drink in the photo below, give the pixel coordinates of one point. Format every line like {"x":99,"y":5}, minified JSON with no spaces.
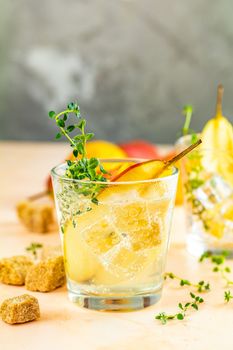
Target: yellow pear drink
{"x":114,"y":228}
{"x":207,"y":176}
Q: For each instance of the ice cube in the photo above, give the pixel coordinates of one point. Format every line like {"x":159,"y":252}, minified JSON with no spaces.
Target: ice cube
{"x":214,"y":191}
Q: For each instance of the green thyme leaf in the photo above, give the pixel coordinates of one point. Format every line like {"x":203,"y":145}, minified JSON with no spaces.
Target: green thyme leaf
{"x":180,"y":316}
{"x":228,"y":296}
{"x":95,"y":201}
{"x":75,"y":153}
{"x":70,"y":128}
{"x":89,"y":136}
{"x":58,"y":136}
{"x":52,"y":114}
{"x":61,"y":123}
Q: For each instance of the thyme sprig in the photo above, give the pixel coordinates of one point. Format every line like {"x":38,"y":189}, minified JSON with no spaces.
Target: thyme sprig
{"x":183,"y":308}
{"x":201,"y":286}
{"x":81,"y":168}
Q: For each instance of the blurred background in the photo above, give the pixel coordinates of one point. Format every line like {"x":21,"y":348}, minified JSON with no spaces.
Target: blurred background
{"x":132,"y":65}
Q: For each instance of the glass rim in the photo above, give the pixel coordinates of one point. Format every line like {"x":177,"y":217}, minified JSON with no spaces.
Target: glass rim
{"x":55,"y":174}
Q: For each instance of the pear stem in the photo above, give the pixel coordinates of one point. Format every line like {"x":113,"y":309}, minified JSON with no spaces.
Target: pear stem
{"x":219,"y":100}
{"x":184,"y":152}
{"x":179,"y":156}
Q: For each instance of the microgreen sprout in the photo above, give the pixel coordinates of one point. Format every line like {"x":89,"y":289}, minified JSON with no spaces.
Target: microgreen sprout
{"x":33,"y":248}
{"x":187,"y":111}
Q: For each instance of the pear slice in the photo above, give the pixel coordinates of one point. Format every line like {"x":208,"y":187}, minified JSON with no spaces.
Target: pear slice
{"x":147,"y":170}
{"x":80,"y":263}
{"x":153,"y":168}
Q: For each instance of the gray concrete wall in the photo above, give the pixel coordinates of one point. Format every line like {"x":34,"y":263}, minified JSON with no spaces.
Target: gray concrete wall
{"x":132,"y":64}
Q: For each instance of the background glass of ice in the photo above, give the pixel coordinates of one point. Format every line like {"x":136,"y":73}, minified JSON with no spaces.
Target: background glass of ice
{"x":213,"y":198}
{"x":115,"y":251}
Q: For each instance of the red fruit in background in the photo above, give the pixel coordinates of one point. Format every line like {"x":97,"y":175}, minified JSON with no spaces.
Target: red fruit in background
{"x":140,"y":149}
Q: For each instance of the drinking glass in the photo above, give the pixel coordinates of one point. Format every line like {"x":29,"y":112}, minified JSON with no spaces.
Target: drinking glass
{"x":207,"y":177}
{"x":114,"y":249}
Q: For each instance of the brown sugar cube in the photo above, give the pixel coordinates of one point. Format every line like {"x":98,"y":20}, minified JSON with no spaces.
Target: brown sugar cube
{"x":13,"y":270}
{"x":37,"y":217}
{"x":46,"y":276}
{"x":21,"y":309}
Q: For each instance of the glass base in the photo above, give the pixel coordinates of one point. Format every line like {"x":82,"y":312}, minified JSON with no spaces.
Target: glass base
{"x":102,"y":303}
